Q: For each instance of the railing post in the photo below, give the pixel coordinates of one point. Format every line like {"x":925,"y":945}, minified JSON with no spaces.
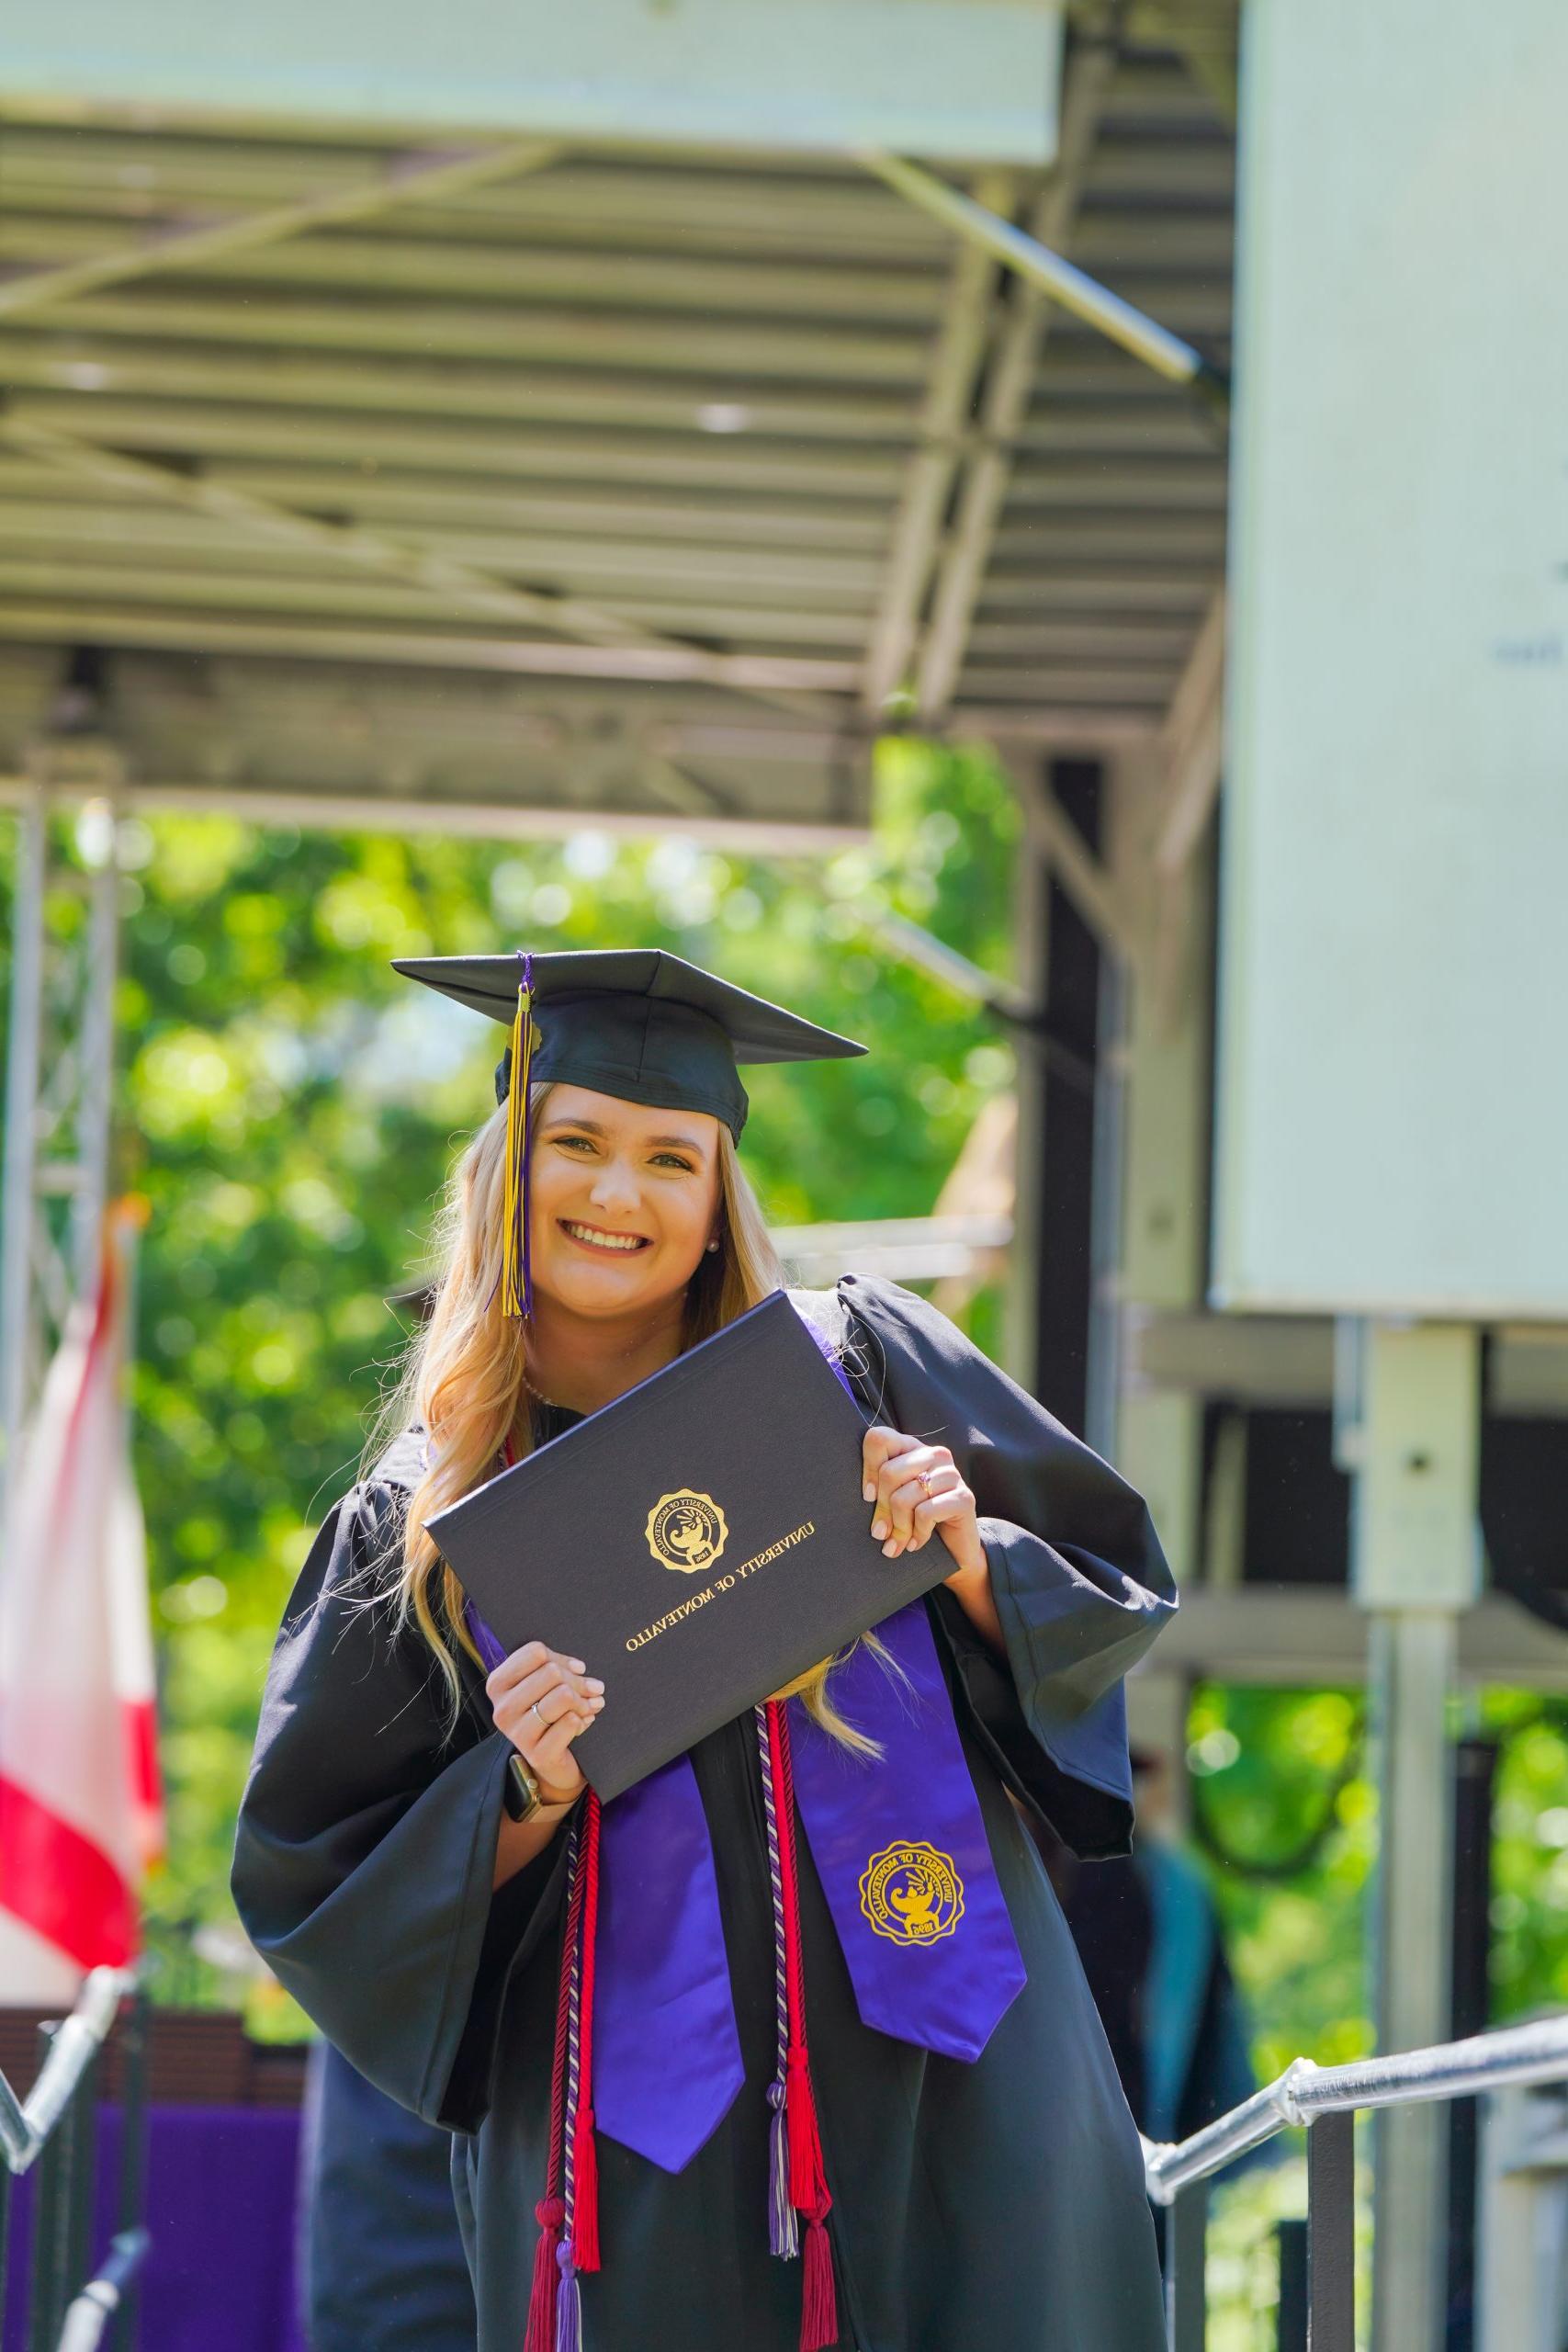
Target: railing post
{"x":133,"y":2067}
{"x":82,"y":2183}
{"x":1291,"y":2316}
{"x":1187,"y":2242}
{"x":48,"y":2287}
{"x":1331,"y":2220}
{"x":5,"y":2231}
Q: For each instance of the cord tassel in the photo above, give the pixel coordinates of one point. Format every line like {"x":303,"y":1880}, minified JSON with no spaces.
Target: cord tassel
{"x":809,"y":2189}
{"x":550,"y":2213}
{"x":569,"y":2304}
{"x":585,"y":2210}
{"x":807,"y":2180}
{"x":783,"y":2234}
{"x":819,"y":2299}
{"x":584,"y":2160}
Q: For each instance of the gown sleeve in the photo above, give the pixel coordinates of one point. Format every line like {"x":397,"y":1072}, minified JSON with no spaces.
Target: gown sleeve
{"x":367,"y":1836}
{"x":1080,"y":1583}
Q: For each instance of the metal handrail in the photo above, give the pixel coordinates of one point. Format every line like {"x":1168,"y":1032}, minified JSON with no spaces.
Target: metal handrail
{"x":1537,"y":2053}
{"x":93,"y":2309}
{"x":25,"y":2125}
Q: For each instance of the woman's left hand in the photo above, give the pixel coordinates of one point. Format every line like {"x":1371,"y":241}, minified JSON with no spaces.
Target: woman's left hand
{"x":917,"y":1491}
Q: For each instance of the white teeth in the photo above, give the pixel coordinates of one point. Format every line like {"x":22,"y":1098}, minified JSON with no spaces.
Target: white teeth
{"x":601,"y":1240}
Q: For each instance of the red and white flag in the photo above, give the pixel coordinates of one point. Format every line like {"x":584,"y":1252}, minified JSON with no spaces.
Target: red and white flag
{"x":81,"y":1808}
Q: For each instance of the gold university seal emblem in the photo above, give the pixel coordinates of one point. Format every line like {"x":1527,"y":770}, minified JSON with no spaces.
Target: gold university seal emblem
{"x":911,"y":1893}
{"x":686,"y":1530}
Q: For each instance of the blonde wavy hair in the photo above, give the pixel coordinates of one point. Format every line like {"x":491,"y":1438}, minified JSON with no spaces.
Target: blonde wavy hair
{"x":461,"y":1378}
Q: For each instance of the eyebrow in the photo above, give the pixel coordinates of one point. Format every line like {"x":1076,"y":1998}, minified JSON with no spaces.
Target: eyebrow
{"x":592,"y":1127}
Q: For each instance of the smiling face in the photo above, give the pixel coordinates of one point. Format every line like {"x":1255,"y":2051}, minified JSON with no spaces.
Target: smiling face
{"x":624,"y":1200}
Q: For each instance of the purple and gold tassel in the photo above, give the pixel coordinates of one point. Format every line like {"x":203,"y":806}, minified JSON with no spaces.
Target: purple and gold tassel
{"x":516,"y":1270}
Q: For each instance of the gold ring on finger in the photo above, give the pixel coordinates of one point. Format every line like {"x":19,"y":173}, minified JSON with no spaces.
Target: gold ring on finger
{"x":925,"y":1478}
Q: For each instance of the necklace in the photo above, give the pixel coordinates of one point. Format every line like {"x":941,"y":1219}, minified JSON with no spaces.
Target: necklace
{"x":541,"y":1396}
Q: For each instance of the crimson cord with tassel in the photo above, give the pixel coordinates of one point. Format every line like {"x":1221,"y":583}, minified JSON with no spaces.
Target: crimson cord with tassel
{"x":809,"y":2189}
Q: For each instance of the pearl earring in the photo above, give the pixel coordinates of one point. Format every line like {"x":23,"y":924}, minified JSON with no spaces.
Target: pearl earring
{"x":712,"y":1245}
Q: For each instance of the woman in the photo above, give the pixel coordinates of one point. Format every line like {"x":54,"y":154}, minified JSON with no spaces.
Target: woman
{"x":420,"y":1862}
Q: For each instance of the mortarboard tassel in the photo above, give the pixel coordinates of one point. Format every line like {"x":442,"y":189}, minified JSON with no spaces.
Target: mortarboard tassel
{"x":550,"y":2211}
{"x":807,"y":2179}
{"x":516,"y":1270}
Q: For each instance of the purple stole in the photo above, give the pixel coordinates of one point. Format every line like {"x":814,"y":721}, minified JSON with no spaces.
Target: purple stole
{"x":900,"y":1848}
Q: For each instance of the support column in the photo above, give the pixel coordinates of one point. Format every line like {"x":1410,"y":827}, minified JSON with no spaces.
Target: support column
{"x":1021,"y":1325}
{"x":22,"y":1062}
{"x":1165,"y":1067}
{"x":1408,"y":1409}
{"x":58,"y":1082}
{"x":1064,"y":1140}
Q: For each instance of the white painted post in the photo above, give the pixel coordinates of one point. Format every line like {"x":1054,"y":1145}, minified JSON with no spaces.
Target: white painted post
{"x":1409,"y":1414}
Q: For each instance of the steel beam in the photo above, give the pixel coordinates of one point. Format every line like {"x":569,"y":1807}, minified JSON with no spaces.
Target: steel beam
{"x":1033,"y":260}
{"x":788,"y":682}
{"x":1090,"y":72}
{"x":380,"y":811}
{"x":1058,"y":841}
{"x":1192,"y":743}
{"x":470,"y":589}
{"x":929,"y":481}
{"x":419,"y":179}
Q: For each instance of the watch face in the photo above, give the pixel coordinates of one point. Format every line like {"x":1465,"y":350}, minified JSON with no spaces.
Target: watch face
{"x":522,"y":1789}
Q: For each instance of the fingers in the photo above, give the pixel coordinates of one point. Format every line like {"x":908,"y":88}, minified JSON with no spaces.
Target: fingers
{"x":906,"y":1511}
{"x":543,"y":1700}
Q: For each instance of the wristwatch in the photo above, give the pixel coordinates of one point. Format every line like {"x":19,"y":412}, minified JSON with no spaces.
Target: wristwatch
{"x":520,"y":1792}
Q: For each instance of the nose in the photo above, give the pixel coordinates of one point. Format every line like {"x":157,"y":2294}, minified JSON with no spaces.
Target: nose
{"x":614,"y":1189}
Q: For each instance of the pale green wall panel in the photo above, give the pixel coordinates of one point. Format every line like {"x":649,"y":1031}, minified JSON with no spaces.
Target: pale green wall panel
{"x":1394,"y":973}
{"x":965,"y":78}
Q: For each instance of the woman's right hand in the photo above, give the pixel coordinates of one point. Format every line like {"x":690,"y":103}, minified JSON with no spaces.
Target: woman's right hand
{"x":542,"y":1700}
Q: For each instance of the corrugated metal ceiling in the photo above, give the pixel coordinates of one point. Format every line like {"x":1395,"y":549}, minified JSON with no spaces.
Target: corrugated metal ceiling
{"x":632,"y":481}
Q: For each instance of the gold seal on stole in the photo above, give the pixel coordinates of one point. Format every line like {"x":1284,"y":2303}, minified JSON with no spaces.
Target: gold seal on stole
{"x":686,"y":1530}
{"x":911,"y":1893}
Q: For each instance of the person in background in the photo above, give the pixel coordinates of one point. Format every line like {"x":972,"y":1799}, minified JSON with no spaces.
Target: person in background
{"x":1149,"y":1933}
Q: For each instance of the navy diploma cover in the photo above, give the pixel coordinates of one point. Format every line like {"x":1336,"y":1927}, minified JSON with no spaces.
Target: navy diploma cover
{"x":699,"y":1541}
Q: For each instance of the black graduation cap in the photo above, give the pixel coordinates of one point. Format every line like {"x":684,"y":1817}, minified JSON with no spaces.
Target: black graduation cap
{"x":633,"y":1021}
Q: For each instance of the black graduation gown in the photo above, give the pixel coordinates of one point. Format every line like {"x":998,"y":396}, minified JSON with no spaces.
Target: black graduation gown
{"x":996,"y":2204}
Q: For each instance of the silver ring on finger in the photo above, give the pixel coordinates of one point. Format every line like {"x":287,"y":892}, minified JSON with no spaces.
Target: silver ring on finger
{"x":544,"y":1723}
